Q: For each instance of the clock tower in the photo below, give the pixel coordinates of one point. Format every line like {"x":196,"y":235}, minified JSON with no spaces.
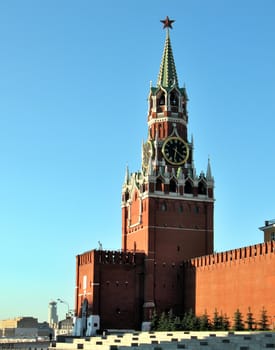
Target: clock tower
{"x":167,"y":208}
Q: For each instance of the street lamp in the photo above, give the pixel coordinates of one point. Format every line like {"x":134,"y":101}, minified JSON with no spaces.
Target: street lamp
{"x":66,"y":303}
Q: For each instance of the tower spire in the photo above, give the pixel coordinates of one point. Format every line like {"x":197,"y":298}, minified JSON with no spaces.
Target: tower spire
{"x":167,"y":74}
{"x":209,"y":172}
{"x":127,"y":176}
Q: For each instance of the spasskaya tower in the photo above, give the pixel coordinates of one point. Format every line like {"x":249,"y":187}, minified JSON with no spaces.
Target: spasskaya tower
{"x":167,"y":208}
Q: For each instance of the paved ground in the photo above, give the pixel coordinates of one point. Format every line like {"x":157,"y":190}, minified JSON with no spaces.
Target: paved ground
{"x":171,"y":341}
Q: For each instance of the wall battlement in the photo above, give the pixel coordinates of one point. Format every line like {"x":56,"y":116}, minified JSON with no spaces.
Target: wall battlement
{"x":233,"y":255}
{"x":108,"y":257}
{"x":116,"y":257}
{"x":85,"y":258}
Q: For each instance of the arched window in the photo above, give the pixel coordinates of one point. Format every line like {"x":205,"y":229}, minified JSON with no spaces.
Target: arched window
{"x":202,"y":187}
{"x":173,"y":186}
{"x":159,"y":185}
{"x":184,"y":106}
{"x":174,"y":99}
{"x":161,"y":100}
{"x":188,"y":188}
{"x":164,"y":206}
{"x":126,"y":195}
{"x":84,"y":307}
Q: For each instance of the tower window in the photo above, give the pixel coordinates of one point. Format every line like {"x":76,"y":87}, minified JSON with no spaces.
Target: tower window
{"x":159,"y":185}
{"x":164,"y":207}
{"x":272,"y":236}
{"x":202,"y":188}
{"x":84,"y":281}
{"x":181,"y":208}
{"x":127,"y":195}
{"x":161,"y":100}
{"x":173,"y":186}
{"x":174,"y":100}
{"x":188,"y":188}
{"x":160,"y":130}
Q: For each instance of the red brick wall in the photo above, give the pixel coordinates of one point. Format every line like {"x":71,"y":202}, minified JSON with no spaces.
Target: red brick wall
{"x":135,"y":237}
{"x":239,"y":278}
{"x":114,"y":287}
{"x":182,"y":231}
{"x":84,"y":267}
{"x":163,"y":231}
{"x":121,"y":296}
{"x":174,"y":231}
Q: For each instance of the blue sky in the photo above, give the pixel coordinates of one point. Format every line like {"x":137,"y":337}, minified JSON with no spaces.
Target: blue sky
{"x":74,"y":82}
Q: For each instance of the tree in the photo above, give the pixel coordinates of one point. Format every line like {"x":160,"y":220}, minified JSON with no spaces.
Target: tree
{"x":225,"y":323}
{"x":171,"y":321}
{"x":163,"y":324}
{"x":263,"y":323}
{"x":189,"y":321}
{"x":217,"y":321}
{"x":177,"y":324}
{"x":238,"y":321}
{"x":250,"y":321}
{"x":154,"y":321}
{"x":204,"y":322}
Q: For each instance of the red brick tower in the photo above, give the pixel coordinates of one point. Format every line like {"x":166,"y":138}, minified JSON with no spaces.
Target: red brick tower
{"x":167,"y":209}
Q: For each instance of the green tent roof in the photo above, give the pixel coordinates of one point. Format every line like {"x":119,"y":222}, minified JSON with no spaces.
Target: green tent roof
{"x":167,"y":74}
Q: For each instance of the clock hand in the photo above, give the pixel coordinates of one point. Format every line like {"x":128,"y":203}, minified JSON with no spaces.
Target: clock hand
{"x":181,"y":155}
{"x":175,"y":152}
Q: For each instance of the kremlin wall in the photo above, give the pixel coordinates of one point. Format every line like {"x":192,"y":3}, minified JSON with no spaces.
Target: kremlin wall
{"x":167,"y":260}
{"x":242,"y":278}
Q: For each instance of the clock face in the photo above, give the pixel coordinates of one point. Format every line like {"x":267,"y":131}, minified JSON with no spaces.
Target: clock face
{"x":175,"y":150}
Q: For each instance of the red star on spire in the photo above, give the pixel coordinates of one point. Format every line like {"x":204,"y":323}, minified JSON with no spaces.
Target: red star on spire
{"x":167,"y":23}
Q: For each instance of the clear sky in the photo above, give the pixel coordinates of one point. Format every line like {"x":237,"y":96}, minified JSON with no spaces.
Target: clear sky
{"x":74,"y":79}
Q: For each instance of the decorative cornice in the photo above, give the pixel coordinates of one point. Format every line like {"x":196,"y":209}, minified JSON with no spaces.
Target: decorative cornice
{"x":184,"y":197}
{"x":166,"y":119}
